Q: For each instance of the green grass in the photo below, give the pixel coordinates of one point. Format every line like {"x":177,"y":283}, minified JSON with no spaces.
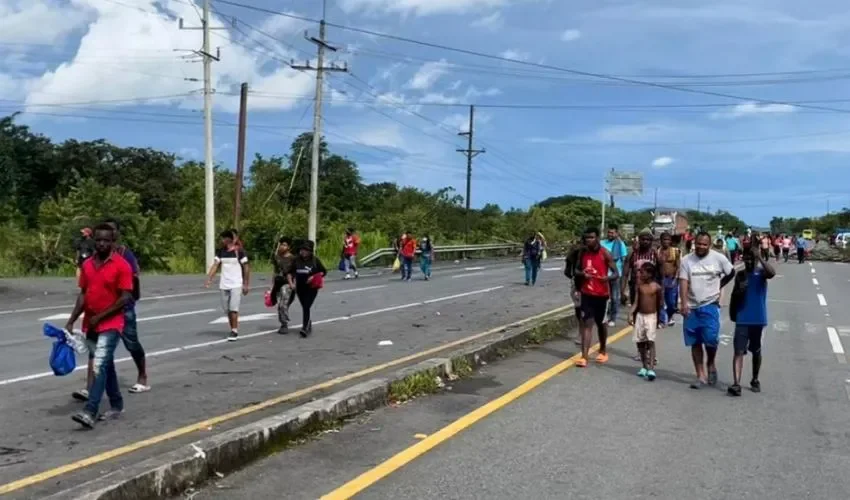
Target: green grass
{"x":424,"y":382}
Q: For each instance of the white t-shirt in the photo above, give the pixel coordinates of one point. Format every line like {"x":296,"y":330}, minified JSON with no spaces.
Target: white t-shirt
{"x":703,"y":275}
{"x":231,"y":261}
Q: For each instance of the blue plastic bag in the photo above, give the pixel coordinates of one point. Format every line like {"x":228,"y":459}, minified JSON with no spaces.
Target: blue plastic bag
{"x":341,"y":265}
{"x":63,"y":360}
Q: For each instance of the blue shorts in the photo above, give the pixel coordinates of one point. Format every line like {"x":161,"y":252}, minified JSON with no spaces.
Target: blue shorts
{"x":702,"y":326}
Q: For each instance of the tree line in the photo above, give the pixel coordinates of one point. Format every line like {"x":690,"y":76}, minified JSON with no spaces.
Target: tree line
{"x":824,"y":225}
{"x":50,"y":190}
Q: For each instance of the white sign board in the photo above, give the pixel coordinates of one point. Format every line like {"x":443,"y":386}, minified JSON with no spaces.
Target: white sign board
{"x":625,"y":183}
{"x":627,"y":229}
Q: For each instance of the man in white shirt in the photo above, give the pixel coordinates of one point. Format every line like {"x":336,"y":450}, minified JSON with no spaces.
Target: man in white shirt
{"x":702,"y":274}
{"x":235,"y":278}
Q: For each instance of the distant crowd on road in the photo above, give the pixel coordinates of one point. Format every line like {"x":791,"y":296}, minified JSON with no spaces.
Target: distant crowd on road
{"x":660,"y":280}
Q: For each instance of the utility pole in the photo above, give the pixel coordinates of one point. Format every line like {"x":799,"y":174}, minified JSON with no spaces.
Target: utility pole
{"x":612,"y":197}
{"x":240,"y":154}
{"x":699,"y":194}
{"x":470,"y":154}
{"x":312,"y":223}
{"x":209,"y":171}
{"x":655,"y":203}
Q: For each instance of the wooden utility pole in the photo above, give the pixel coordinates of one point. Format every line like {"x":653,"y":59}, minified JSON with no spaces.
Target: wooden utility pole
{"x":470,"y":154}
{"x":240,"y":154}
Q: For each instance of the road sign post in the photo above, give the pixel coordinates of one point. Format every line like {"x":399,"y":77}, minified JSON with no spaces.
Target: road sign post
{"x":620,"y":184}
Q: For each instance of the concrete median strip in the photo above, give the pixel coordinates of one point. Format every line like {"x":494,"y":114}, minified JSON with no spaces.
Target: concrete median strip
{"x":174,"y":472}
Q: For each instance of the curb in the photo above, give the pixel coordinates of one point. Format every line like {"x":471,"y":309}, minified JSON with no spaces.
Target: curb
{"x":174,"y":472}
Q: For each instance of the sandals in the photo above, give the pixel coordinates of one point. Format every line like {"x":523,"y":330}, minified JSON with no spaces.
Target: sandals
{"x":139,"y":388}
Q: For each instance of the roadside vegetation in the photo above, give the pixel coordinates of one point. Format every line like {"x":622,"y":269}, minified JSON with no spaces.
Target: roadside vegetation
{"x":50,"y":190}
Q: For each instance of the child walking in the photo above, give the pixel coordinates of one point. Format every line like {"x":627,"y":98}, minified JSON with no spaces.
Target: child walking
{"x":644,"y":317}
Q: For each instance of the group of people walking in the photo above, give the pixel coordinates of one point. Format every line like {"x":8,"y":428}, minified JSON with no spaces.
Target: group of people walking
{"x":605,"y":274}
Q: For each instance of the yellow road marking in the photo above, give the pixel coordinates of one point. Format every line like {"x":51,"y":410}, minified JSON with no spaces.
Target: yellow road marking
{"x":198,"y":426}
{"x":406,"y":456}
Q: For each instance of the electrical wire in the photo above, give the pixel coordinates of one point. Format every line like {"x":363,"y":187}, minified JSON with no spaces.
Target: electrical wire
{"x":483,"y":55}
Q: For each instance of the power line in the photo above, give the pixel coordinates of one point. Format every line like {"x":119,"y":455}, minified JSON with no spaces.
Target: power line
{"x":591,"y":74}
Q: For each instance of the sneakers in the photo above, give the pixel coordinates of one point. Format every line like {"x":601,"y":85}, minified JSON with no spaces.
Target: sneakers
{"x":110,"y":415}
{"x":84,"y":419}
{"x":283,"y":330}
{"x":233,"y":337}
{"x":642,"y":372}
{"x":734,"y":390}
{"x":712,"y":377}
{"x":755,"y":386}
{"x":611,"y":324}
{"x":347,"y":276}
{"x":650,"y":375}
{"x":81,"y":395}
{"x":307,"y":330}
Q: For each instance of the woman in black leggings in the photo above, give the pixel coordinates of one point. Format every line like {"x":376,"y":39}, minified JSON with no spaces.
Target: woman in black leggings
{"x":305,"y":268}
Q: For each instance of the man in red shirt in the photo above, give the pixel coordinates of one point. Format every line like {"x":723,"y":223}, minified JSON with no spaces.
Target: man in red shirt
{"x":408,"y":252}
{"x":350,"y":245}
{"x":594,"y":273}
{"x":106,"y":286}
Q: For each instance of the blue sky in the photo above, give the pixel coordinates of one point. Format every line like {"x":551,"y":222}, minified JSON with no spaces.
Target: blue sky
{"x":122,"y":70}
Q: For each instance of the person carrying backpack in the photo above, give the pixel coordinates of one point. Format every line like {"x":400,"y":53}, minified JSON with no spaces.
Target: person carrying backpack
{"x":426,"y":256}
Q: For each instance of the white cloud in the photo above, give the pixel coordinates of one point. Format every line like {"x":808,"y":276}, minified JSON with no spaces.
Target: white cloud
{"x":662,"y":161}
{"x":428,"y":75}
{"x":644,"y":132}
{"x":382,"y":136}
{"x":282,"y":25}
{"x":570,"y":35}
{"x":148,"y":35}
{"x":753,"y":108}
{"x":46,"y":22}
{"x":418,"y":7}
{"x":491,"y":22}
{"x":516,"y":55}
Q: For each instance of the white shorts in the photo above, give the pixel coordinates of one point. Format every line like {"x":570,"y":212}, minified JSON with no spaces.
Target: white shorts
{"x":645,"y":327}
{"x":230,"y":300}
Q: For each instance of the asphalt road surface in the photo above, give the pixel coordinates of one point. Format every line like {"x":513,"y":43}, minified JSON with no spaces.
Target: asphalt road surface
{"x":196,"y":374}
{"x":602,"y":432}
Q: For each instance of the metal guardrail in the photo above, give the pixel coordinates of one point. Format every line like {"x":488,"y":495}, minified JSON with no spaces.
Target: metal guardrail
{"x":387,"y":252}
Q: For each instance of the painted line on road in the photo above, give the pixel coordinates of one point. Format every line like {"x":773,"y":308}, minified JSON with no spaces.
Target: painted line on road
{"x":372,"y":476}
{"x":837,"y":348}
{"x":813,"y":270}
{"x":199,"y":426}
{"x":143,"y":299}
{"x":479,"y":268}
{"x":815,"y":282}
{"x":467,"y":275}
{"x":34,"y":376}
{"x":821,"y":299}
{"x":552,"y":269}
{"x":65,"y":316}
{"x":363,"y":289}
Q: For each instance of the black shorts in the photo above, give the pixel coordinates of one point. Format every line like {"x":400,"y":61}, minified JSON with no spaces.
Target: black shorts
{"x":748,"y":338}
{"x":593,"y":307}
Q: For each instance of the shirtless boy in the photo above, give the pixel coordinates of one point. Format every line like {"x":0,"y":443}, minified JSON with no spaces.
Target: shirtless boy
{"x":644,"y":317}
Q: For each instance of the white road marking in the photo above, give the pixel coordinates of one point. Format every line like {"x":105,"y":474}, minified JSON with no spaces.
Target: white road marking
{"x":813,"y":270}
{"x":837,"y":348}
{"x":467,"y":275}
{"x":480,"y":268}
{"x":243,"y":319}
{"x":151,"y":318}
{"x":352,"y":290}
{"x":154,"y":354}
{"x":55,"y":317}
{"x":176,"y":315}
{"x":815,"y":282}
{"x":821,"y":299}
{"x":781,"y":326}
{"x":552,"y":269}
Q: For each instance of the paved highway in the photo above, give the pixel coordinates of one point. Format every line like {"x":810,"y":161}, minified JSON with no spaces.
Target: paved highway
{"x":603,"y":432}
{"x":196,"y":375}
